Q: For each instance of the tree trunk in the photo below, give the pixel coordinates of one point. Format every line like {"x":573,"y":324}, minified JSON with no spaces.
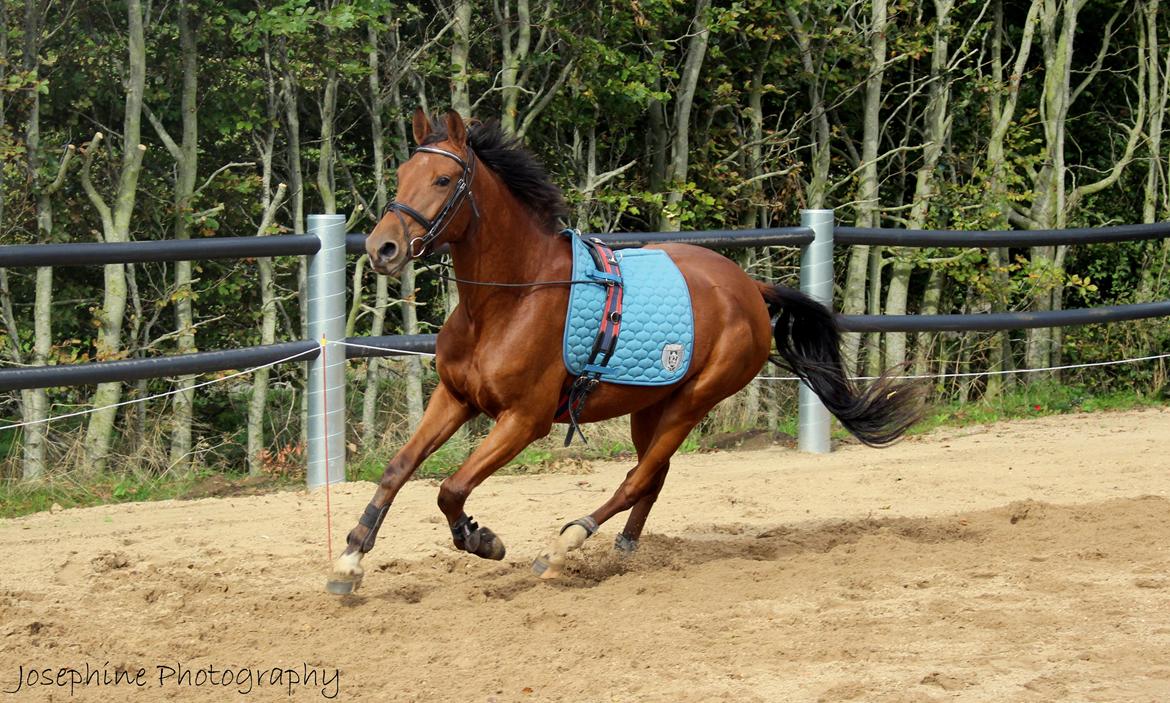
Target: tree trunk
{"x":116,"y":228}
{"x":853,"y":301}
{"x":818,"y":182}
{"x":414,"y":369}
{"x":187,"y":169}
{"x":657,"y":139}
{"x":325,"y":179}
{"x":461,"y":103}
{"x":935,"y":124}
{"x":258,"y":402}
{"x":460,"y":55}
{"x":676,"y":174}
{"x":513,"y":56}
{"x":873,"y":350}
{"x":407,"y":293}
{"x":9,"y":317}
{"x":1057,"y":30}
{"x":925,"y":340}
{"x":381,"y":295}
{"x":1003,"y":106}
{"x":35,"y":402}
{"x":1052,"y":204}
{"x":1158,"y":87}
{"x":1156,"y":91}
{"x":292,"y":118}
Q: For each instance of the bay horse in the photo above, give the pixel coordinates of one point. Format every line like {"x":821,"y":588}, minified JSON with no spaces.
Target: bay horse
{"x":484,"y":195}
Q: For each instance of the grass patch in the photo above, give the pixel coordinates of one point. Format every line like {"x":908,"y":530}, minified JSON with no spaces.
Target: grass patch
{"x":21,"y":498}
{"x":607,"y":440}
{"x":1036,"y":400}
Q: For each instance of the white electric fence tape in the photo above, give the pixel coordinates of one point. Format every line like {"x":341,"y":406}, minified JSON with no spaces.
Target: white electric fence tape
{"x":406,"y":352}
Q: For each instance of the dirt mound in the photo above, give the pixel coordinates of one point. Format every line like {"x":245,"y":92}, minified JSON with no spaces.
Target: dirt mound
{"x":1021,"y":562}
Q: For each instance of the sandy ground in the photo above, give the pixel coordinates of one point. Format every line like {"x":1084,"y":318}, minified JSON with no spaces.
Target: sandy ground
{"x":1026,"y":561}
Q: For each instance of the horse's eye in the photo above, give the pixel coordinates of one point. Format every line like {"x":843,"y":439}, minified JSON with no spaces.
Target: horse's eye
{"x":442,"y":181}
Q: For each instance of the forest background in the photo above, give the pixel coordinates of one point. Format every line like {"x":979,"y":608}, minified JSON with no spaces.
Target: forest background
{"x":131,"y":120}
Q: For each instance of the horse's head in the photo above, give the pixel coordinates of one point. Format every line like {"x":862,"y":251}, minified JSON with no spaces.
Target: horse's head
{"x":434,"y":204}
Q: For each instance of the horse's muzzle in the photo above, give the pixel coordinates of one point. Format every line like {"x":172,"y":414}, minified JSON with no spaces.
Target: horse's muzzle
{"x":388,"y":258}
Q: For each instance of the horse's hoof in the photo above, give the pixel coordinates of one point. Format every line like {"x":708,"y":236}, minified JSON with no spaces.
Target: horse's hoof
{"x":342,"y":587}
{"x":484,"y":544}
{"x":488,"y":545}
{"x":624,"y":544}
{"x":571,"y":537}
{"x":497,"y":551}
{"x":346,"y":575}
{"x":542,"y":566}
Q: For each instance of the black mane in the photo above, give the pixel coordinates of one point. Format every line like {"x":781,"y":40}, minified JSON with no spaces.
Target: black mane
{"x":518,"y":167}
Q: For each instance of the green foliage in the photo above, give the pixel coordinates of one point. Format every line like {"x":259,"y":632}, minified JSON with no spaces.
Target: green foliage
{"x":602,"y":82}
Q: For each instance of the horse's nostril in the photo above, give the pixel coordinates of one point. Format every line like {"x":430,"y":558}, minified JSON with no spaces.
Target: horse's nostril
{"x":388,"y":251}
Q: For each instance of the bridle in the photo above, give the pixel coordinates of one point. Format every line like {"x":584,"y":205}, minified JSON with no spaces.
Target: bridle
{"x":436,"y":226}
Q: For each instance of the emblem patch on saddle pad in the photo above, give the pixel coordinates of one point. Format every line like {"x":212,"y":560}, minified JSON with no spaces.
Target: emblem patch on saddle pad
{"x":657,"y":327}
{"x":672,"y":356}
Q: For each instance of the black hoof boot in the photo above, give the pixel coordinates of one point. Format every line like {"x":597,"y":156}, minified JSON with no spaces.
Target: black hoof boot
{"x":625,"y":545}
{"x":477,"y":540}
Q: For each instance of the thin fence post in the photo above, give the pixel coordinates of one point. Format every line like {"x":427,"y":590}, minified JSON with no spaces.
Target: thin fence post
{"x":816,"y":280}
{"x":326,"y":382}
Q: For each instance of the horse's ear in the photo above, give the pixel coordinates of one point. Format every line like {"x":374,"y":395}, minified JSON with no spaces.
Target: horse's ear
{"x":456,"y":129}
{"x":422,"y":126}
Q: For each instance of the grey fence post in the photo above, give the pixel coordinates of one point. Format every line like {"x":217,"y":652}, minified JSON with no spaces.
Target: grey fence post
{"x":816,"y":279}
{"x":326,"y":391}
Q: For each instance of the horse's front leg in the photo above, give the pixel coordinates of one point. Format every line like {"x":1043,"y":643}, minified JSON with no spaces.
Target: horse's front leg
{"x":511,"y":434}
{"x":444,"y":415}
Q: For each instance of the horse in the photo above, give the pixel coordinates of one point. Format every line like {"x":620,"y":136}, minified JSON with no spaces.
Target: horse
{"x":487,"y":198}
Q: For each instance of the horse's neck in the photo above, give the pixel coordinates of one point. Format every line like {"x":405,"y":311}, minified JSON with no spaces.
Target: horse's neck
{"x":508,"y":245}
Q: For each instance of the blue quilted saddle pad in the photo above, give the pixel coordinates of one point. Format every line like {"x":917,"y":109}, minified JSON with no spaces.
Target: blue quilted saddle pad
{"x":657,"y":334}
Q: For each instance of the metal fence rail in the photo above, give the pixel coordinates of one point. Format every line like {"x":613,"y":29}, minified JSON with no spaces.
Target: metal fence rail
{"x":204,"y":248}
{"x":1007,"y":238}
{"x":326,"y":241}
{"x":996,"y":321}
{"x":26,"y":377}
{"x":157,"y":367}
{"x":714,"y":239}
{"x":390,"y":345}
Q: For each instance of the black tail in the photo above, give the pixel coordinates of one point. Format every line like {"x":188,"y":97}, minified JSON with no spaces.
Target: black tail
{"x":808,"y":345}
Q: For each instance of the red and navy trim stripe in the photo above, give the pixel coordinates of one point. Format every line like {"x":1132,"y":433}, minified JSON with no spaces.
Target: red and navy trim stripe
{"x":575,"y":391}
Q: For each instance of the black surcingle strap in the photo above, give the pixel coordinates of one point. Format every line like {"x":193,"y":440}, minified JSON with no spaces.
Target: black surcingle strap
{"x":608,"y":273}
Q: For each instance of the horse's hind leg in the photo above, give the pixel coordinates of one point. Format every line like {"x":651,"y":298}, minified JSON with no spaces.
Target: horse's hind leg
{"x":627,"y":539}
{"x":444,"y":415}
{"x":642,"y":426}
{"x":679,"y":416}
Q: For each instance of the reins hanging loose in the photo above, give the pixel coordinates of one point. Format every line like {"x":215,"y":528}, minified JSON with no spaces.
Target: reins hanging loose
{"x":500,"y":284}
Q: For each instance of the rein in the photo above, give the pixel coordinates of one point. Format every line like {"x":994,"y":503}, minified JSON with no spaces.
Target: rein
{"x":435,"y":227}
{"x":500,"y":284}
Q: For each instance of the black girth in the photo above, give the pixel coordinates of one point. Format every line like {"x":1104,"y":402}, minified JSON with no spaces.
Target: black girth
{"x":576,"y":391}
